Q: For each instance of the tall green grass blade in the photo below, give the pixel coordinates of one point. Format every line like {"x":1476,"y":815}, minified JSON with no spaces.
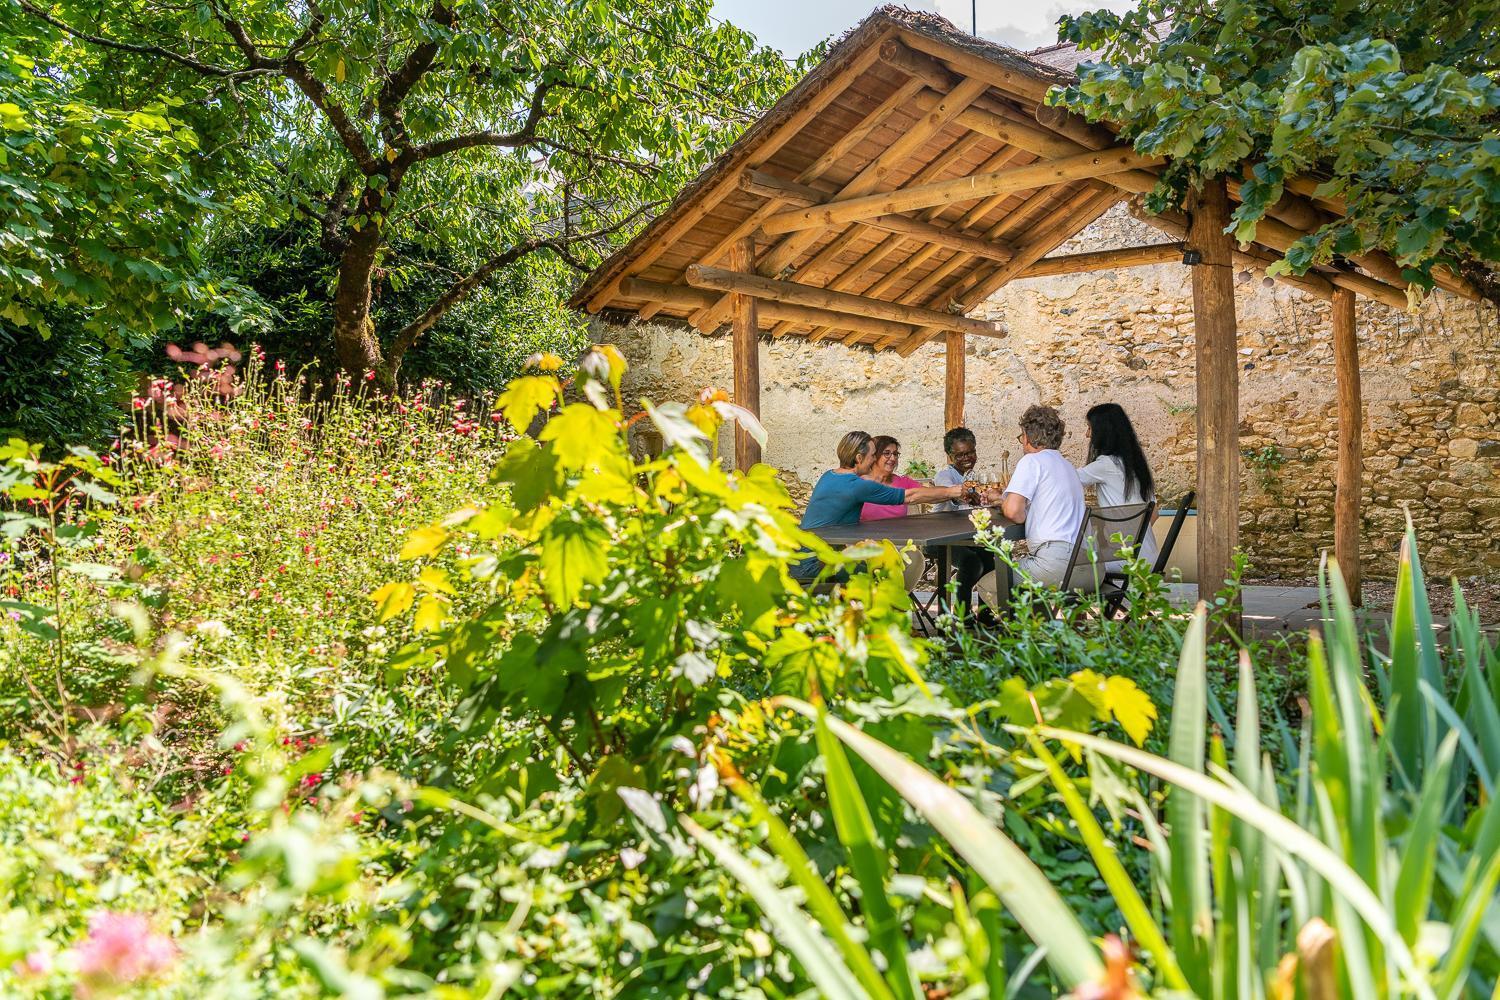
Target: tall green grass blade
{"x":868,"y":859}
{"x":1404,"y":716}
{"x":1192,"y":914}
{"x":1132,"y":907}
{"x":822,"y":963}
{"x":1296,"y":841}
{"x":1021,"y":886}
{"x":1419,"y":852}
{"x":1475,"y":904}
{"x":820,"y":901}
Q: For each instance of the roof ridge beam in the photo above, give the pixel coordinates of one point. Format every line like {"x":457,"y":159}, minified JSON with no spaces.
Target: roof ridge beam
{"x":1045,"y":173}
{"x":722,"y":280}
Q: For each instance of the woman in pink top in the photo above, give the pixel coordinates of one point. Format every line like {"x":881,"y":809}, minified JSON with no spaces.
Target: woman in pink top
{"x":889,"y":451}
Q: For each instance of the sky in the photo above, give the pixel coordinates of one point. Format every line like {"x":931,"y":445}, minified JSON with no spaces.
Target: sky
{"x":793,"y":26}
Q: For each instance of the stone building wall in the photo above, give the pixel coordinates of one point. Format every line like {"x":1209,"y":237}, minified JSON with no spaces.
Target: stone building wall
{"x":1431,"y":387}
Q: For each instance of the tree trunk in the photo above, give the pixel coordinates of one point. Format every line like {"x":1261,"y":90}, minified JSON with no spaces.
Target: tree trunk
{"x":354,"y":338}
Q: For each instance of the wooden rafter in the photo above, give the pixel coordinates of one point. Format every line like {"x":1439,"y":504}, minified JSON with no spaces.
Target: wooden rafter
{"x":685,"y":296}
{"x":764,"y":150}
{"x":876,"y":117}
{"x":765,"y":185}
{"x":722,"y":280}
{"x":1045,"y":173}
{"x":979,"y":288}
{"x":1254,"y":258}
{"x":868,"y":179}
{"x":1103,"y":260}
{"x":820,"y":261}
{"x":1040,"y":201}
{"x":846,"y":280}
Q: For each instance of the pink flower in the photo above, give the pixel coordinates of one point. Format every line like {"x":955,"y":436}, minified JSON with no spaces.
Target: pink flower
{"x":120,"y":949}
{"x":36,"y":963}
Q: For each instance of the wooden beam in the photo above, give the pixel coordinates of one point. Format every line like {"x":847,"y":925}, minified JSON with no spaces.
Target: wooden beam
{"x":1218,"y":388}
{"x":1045,"y":173}
{"x":1348,"y":483}
{"x":686,"y":297}
{"x":1024,"y":81}
{"x":912,"y":91}
{"x":892,"y":244}
{"x":953,"y":381}
{"x":1011,"y":221}
{"x":765,"y":149}
{"x":1255,"y":259}
{"x":978,"y":286}
{"x":1279,"y":237}
{"x":721,"y":280}
{"x":1104,"y":260}
{"x":873,"y":175}
{"x":746,"y":357}
{"x":758,"y":182}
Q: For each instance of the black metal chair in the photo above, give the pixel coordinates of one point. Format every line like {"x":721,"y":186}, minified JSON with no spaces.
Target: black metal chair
{"x":1117,"y":584}
{"x":1095,"y":547}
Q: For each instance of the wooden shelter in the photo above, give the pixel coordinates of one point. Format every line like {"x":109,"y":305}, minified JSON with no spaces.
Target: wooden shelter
{"x":913,"y":173}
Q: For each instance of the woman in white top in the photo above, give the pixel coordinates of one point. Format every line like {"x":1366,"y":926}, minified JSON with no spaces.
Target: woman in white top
{"x":1044,"y":492}
{"x":1117,"y":467}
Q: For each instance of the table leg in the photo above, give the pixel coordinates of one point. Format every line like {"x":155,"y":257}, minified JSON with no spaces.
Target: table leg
{"x":944,"y":558}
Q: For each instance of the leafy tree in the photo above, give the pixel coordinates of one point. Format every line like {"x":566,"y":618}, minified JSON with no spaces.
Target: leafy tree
{"x":476,"y":347}
{"x":530,"y":124}
{"x":1392,"y":105}
{"x":100,"y":201}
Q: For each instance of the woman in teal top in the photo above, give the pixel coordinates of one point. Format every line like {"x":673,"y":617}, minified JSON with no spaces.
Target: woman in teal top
{"x":841,"y":493}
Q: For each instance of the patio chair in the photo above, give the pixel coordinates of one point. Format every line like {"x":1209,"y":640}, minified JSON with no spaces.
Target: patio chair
{"x":1116,"y":584}
{"x":1095,"y":548}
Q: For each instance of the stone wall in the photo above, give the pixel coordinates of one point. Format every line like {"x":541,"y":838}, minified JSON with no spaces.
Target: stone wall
{"x":1431,"y":384}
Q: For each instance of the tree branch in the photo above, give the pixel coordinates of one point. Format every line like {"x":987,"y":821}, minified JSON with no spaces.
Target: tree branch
{"x":464,"y":286}
{"x":196,"y":65}
{"x":525,"y":135}
{"x":317,"y":92}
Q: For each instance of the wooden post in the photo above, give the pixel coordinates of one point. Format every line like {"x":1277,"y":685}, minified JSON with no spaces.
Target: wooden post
{"x":1351,"y":460}
{"x":953,"y":382}
{"x":1218,"y":388}
{"x":746,"y":355}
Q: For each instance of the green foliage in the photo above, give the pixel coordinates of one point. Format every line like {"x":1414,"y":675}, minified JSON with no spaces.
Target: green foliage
{"x":1389,"y":105}
{"x":99,"y":199}
{"x":67,"y":389}
{"x":1367,"y":869}
{"x":405,"y":134}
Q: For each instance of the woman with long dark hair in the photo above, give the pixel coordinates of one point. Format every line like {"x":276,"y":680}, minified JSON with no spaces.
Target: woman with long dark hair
{"x":1117,"y":466}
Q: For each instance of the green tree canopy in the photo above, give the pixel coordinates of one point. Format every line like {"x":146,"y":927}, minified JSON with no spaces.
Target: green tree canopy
{"x":529,"y":125}
{"x":101,"y":200}
{"x":1392,"y":106}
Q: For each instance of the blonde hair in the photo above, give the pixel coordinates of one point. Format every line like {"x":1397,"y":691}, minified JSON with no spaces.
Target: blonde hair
{"x":852,"y":448}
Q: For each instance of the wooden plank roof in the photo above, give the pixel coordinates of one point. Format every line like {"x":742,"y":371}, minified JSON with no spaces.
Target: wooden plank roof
{"x":902,"y":103}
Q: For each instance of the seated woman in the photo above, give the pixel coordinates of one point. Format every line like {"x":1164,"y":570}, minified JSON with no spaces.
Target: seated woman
{"x":887,"y":456}
{"x":1117,"y":467}
{"x":970,"y":563}
{"x":1044,"y":492}
{"x":841,"y":493}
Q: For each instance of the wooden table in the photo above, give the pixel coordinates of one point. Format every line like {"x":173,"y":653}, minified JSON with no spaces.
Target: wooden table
{"x":941,"y":530}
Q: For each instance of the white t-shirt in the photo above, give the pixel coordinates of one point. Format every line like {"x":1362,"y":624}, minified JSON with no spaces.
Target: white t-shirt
{"x":1106,"y":474}
{"x":949,"y":476}
{"x":1050,"y":483}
